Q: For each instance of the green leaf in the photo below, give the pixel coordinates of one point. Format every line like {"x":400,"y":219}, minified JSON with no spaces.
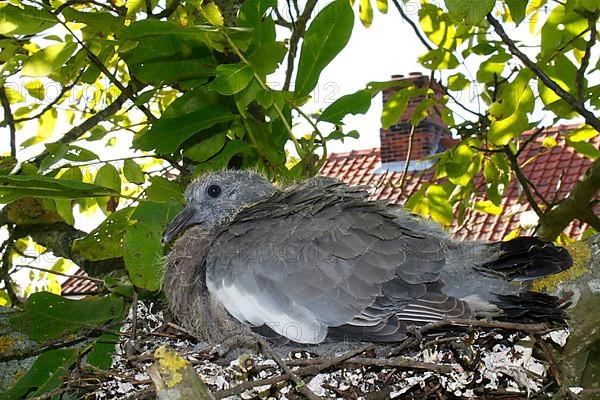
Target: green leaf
{"x":509,"y":112}
{"x":365,"y":12}
{"x":231,"y":78}
{"x":382,"y":6}
{"x":24,"y":20}
{"x":13,"y":96}
{"x":489,"y":69}
{"x":143,"y":255}
{"x":394,"y":108}
{"x":64,"y":208}
{"x":102,"y":23}
{"x":517,"y":9}
{"x":13,"y":187}
{"x":326,"y":36}
{"x":585,"y":148}
{"x":440,"y":208}
{"x":563,"y":72}
{"x":488,"y":207}
{"x":207,"y":148}
{"x":266,"y":58}
{"x":168,"y":134}
{"x":104,"y":242}
{"x":108,"y":176}
{"x":48,"y":316}
{"x":458,"y":81}
{"x":562,"y":30}
{"x":585,"y":132}
{"x":265,"y":98}
{"x":132,"y":171}
{"x":102,"y":350}
{"x":422,"y":110}
{"x":56,"y":152}
{"x":46,"y":124}
{"x":254,"y":14}
{"x":355,"y":103}
{"x":162,"y":189}
{"x":232,"y":148}
{"x":46,"y":374}
{"x":79,"y":154}
{"x":470,"y":12}
{"x":213,"y":14}
{"x":439,"y":59}
{"x":161,"y":52}
{"x":48,"y":60}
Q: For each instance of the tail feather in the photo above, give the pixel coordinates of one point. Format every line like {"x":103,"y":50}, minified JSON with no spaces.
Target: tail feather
{"x":531,"y":307}
{"x":527,"y":258}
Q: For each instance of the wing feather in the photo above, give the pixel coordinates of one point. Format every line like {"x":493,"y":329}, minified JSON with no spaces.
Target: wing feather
{"x":318,"y":256}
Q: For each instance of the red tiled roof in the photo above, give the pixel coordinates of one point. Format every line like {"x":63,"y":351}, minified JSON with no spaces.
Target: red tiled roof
{"x":545,"y":169}
{"x":75,"y":286}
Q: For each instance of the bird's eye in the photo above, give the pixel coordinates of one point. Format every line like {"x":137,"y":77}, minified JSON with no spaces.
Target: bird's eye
{"x":214,"y":190}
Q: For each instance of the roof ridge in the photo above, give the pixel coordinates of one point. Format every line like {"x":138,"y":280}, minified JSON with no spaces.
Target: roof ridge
{"x":355,"y":153}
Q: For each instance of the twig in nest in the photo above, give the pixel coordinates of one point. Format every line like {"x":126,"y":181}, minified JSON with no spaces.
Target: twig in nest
{"x":300,"y":385}
{"x":485,"y":324}
{"x":131,"y":344}
{"x":317,"y":366}
{"x":553,"y":369}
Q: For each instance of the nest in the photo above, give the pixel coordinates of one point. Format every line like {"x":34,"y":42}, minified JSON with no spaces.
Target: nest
{"x":490,"y":361}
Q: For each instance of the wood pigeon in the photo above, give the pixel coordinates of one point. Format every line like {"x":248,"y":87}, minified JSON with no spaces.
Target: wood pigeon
{"x":319,"y":260}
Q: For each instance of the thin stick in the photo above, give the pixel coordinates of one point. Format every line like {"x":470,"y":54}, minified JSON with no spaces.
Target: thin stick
{"x":49,"y":271}
{"x":590,"y":118}
{"x":300,"y":384}
{"x":10,"y":120}
{"x":485,"y":324}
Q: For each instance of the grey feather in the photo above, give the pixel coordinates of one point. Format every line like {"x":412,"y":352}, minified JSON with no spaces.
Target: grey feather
{"x":319,"y":260}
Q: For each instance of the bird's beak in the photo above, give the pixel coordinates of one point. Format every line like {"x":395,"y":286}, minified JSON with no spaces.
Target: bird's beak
{"x":179,"y":223}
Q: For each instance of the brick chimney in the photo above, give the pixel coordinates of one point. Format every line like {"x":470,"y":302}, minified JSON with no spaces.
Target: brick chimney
{"x":431,"y":136}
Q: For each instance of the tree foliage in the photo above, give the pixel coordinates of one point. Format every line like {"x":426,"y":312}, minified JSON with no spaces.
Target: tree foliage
{"x":181,"y":85}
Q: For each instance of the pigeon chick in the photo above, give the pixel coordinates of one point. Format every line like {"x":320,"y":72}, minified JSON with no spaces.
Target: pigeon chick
{"x":318,"y":260}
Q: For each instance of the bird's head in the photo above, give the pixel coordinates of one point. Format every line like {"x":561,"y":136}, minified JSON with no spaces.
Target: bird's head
{"x":215,"y":198}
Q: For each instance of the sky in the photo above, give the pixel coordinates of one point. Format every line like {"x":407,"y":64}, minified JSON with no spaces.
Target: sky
{"x":389,"y":47}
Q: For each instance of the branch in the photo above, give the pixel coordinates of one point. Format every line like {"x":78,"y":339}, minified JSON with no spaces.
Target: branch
{"x":589,"y":217}
{"x":557,"y":219}
{"x":167,"y":12}
{"x":59,"y":238}
{"x":413,"y":25}
{"x":530,"y":139}
{"x":297,"y":33}
{"x":300,"y":384}
{"x":585,"y":60}
{"x":107,"y":7}
{"x":96,"y":61}
{"x":48,"y":106}
{"x":484,"y":324}
{"x":49,"y":271}
{"x":10,"y":120}
{"x":411,"y":137}
{"x":526,"y":184}
{"x":589,"y":117}
{"x":63,"y":341}
{"x":4,"y":271}
{"x":77,"y":131}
